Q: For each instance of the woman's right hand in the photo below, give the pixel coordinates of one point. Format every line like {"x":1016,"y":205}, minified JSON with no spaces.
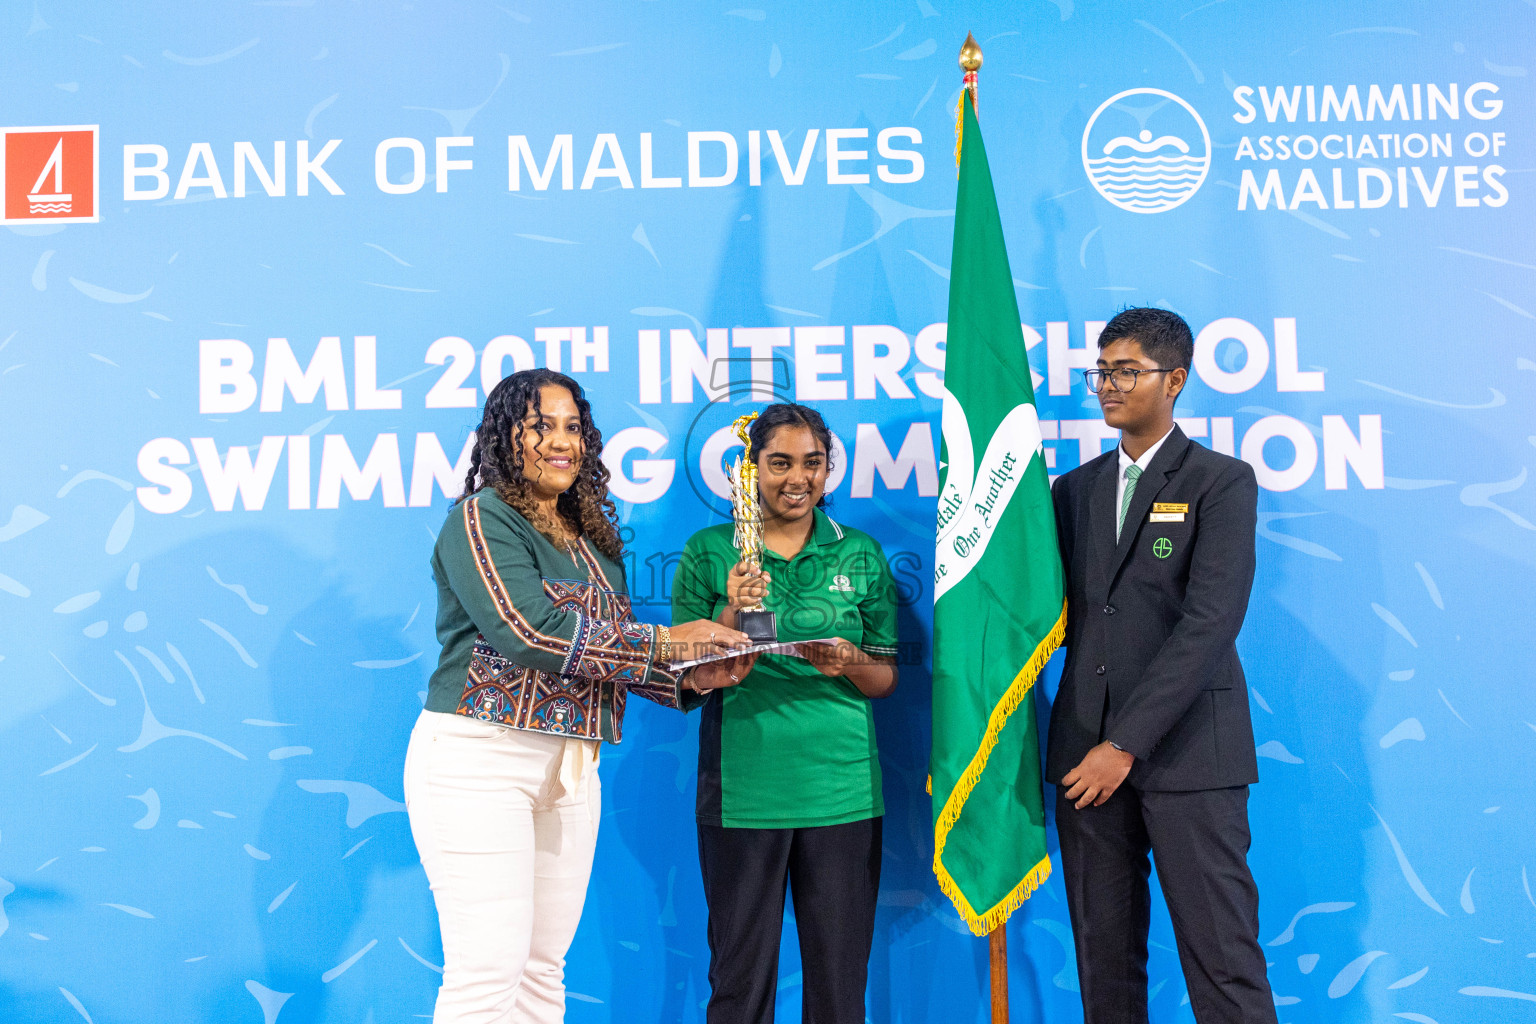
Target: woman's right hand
{"x":701,"y":638}
{"x":746,"y":586}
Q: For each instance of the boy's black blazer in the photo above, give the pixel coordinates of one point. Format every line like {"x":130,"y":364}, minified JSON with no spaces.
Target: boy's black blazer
{"x":1152,"y":621}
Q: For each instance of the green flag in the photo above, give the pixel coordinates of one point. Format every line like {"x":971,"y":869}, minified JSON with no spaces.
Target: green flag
{"x":998,"y":609}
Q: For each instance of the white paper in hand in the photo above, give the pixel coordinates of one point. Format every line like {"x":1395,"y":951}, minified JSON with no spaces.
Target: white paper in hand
{"x":789,"y":647}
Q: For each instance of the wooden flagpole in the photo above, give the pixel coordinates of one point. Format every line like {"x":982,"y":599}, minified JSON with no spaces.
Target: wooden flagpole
{"x":997,"y":946}
{"x":997,"y":939}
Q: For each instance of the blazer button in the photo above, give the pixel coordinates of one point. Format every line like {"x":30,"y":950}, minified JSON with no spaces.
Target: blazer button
{"x":1100,"y":670}
{"x":1109,"y":609}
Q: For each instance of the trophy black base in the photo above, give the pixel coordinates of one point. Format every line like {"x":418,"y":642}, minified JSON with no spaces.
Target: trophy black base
{"x":760,"y":626}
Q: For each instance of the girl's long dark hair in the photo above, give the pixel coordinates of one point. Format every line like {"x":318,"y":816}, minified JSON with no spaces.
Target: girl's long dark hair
{"x":497,"y":460}
{"x":791,"y":414}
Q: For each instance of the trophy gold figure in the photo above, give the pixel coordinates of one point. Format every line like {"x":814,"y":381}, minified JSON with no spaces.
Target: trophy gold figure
{"x":756,"y":621}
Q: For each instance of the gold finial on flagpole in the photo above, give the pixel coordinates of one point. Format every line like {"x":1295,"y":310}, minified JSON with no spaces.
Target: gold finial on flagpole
{"x":970,"y":63}
{"x":970,"y":54}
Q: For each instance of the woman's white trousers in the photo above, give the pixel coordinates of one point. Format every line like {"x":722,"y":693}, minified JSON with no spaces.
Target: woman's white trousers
{"x":506,"y":823}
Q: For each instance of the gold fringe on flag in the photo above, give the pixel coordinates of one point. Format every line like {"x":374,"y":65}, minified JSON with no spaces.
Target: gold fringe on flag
{"x":959,"y":129}
{"x":1017,"y":692}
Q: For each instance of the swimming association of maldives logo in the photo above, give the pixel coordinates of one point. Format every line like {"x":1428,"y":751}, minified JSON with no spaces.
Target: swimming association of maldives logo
{"x":1146,"y":150}
{"x":49,"y":175}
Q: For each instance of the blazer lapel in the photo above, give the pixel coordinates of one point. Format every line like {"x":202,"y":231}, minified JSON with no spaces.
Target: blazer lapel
{"x":1167,"y":459}
{"x":1101,"y":525}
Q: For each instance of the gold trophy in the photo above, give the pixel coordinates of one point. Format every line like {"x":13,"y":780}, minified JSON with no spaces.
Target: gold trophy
{"x":756,"y":621}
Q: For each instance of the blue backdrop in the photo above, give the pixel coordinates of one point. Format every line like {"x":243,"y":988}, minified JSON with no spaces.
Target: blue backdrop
{"x":216,"y":607}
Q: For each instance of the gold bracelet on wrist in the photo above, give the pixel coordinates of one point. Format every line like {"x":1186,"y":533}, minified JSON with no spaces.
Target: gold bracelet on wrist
{"x":663,"y":644}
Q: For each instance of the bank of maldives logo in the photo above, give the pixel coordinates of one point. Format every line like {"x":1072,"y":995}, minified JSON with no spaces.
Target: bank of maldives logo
{"x":1146,"y":150}
{"x":49,"y":175}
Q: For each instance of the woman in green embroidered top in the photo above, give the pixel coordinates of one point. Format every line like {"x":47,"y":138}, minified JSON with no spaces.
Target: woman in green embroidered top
{"x":539,"y":653}
{"x":789,"y":776}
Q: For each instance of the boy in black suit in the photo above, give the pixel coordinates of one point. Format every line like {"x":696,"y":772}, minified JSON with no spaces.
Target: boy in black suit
{"x":1151,"y":747}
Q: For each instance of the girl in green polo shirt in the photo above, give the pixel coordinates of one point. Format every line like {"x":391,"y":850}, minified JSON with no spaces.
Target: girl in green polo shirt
{"x":789,"y":774}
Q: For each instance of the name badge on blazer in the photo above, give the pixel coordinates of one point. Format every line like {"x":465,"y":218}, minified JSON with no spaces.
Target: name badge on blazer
{"x":1168,"y":512}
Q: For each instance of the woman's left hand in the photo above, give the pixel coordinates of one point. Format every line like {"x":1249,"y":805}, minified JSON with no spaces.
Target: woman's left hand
{"x":718,"y":674}
{"x":833,"y":659}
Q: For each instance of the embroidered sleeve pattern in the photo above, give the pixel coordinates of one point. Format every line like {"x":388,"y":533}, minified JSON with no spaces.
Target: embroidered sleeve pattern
{"x":573,"y":596}
{"x":600,"y":649}
{"x":661,"y":686}
{"x":657,"y":684}
{"x":618,"y":651}
{"x":578,"y":646}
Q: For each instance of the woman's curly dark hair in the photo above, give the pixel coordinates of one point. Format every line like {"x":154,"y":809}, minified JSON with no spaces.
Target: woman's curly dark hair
{"x":497,"y":460}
